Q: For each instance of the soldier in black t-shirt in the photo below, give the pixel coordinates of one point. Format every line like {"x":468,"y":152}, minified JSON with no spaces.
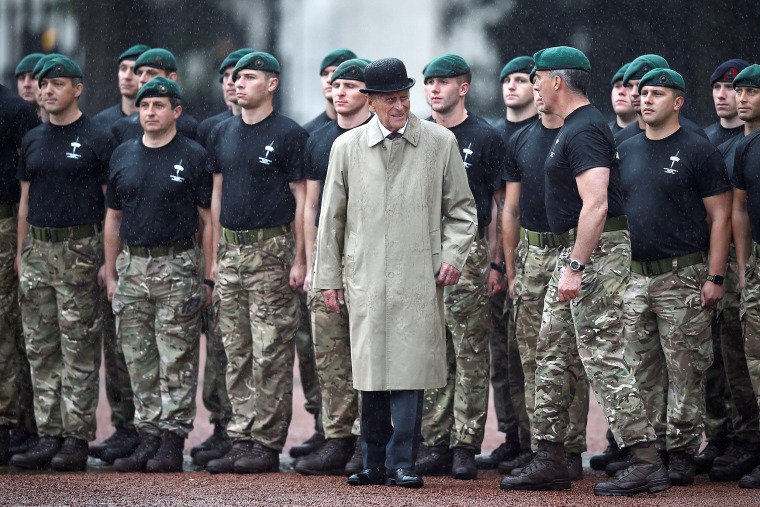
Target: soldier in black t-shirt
{"x":26,"y":84}
{"x":621,"y":102}
{"x":128,"y":86}
{"x":328,"y":65}
{"x":678,"y":203}
{"x":729,"y":124}
{"x":62,"y":170}
{"x":158,"y":188}
{"x":746,"y":228}
{"x":257,"y":159}
{"x":584,"y":299}
{"x":17,"y":117}
{"x":156,"y":62}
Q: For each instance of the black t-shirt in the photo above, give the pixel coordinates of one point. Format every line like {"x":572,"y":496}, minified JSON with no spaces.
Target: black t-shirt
{"x":508,"y":128}
{"x":258,"y":162}
{"x":526,"y":156}
{"x":663,"y":183}
{"x":107,"y":117}
{"x":316,"y":123}
{"x":129,"y":127}
{"x":317,"y":154}
{"x":207,"y":125}
{"x":583,"y":142}
{"x":483,"y":152}
{"x":66,"y":167}
{"x":747,"y":177}
{"x":718,"y":134}
{"x":17,"y":117}
{"x":728,"y":150}
{"x":633,"y":129}
{"x":614,"y":127}
{"x":159,"y":190}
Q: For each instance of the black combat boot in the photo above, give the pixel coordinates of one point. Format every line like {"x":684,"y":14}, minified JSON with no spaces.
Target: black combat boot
{"x":262,"y":459}
{"x":645,"y":474}
{"x":435,"y":460}
{"x":547,"y":471}
{"x":751,"y":480}
{"x":507,"y":450}
{"x":308,"y":447}
{"x":522,"y":459}
{"x":121,"y":444}
{"x":356,"y":463}
{"x":168,"y":458}
{"x":463,"y":466}
{"x":330,"y":459}
{"x":72,"y":457}
{"x":137,"y":461}
{"x":21,"y":441}
{"x":740,"y":458}
{"x":574,"y":465}
{"x":226,"y":464}
{"x":40,"y":455}
{"x":703,"y":461}
{"x":610,"y":454}
{"x":216,"y":441}
{"x":5,"y":445}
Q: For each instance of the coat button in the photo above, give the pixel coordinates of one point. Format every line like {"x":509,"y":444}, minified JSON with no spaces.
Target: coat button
{"x":390,"y":275}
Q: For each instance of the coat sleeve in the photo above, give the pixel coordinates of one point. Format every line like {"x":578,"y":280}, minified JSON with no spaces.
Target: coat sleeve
{"x":459,"y":221}
{"x":328,"y":266}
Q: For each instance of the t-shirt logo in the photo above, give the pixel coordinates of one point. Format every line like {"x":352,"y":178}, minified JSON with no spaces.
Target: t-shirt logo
{"x":673,"y":160}
{"x":467,"y":152}
{"x":267,"y":149}
{"x":73,"y":153}
{"x":556,"y":142}
{"x":178,"y":169}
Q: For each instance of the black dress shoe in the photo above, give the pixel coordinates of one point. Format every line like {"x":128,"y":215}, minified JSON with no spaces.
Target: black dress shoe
{"x":404,"y":477}
{"x":368,"y":477}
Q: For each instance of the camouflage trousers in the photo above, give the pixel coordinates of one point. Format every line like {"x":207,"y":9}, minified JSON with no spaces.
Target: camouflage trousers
{"x":158,"y":304}
{"x":534,"y":267}
{"x":456,"y":413}
{"x":717,"y":417}
{"x":592,"y":324}
{"x":62,"y":328}
{"x":668,"y":346}
{"x":258,"y":318}
{"x":307,"y":368}
{"x":16,"y":408}
{"x":118,"y":386}
{"x":215,"y":397}
{"x":332,"y":352}
{"x":743,"y":407}
{"x":750,"y":319}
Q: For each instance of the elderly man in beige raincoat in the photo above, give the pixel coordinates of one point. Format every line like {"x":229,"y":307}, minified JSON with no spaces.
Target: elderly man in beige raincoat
{"x":398,"y":219}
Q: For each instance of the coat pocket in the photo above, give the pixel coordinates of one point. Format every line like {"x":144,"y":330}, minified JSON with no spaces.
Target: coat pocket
{"x":435,"y":250}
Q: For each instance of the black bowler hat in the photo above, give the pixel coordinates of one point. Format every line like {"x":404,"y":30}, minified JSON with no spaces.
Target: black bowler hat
{"x":386,"y":75}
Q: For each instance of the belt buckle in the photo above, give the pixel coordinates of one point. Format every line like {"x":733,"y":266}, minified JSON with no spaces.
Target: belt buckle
{"x":545,"y":240}
{"x":646,"y":267}
{"x":48,"y":234}
{"x":149,"y":251}
{"x":240,"y":237}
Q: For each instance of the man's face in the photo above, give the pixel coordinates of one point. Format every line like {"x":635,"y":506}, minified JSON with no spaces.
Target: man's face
{"x":633,"y":94}
{"x":128,"y":84}
{"x":325,"y":77}
{"x":543,"y":85}
{"x":145,"y":74}
{"x":538,"y":102}
{"x":443,"y":93}
{"x":724,"y":98}
{"x":59,"y":93}
{"x":347,"y":98}
{"x":27,"y":87}
{"x":658,"y":105}
{"x":254,"y":88}
{"x":228,"y":86}
{"x":748,"y":103}
{"x":517,"y":90}
{"x":621,"y":102}
{"x":392,"y":109}
{"x":157,"y":115}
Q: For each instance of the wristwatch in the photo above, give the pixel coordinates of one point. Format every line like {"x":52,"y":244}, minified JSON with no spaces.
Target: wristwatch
{"x":576,"y":266}
{"x":500,"y":267}
{"x":716,"y":279}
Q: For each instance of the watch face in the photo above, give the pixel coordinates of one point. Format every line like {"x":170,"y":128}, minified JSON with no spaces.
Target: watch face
{"x":575,"y":265}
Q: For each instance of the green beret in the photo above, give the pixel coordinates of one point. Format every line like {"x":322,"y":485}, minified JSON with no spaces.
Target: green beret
{"x":336,"y":57}
{"x":663,"y":77}
{"x":748,"y":77}
{"x":258,"y":60}
{"x":41,"y":63}
{"x":352,"y":70}
{"x":157,"y":58}
{"x":133,"y":53}
{"x":560,"y":57}
{"x":521,"y":64}
{"x":59,"y":66}
{"x":642,"y":65}
{"x":233,"y":58}
{"x":27,"y":63}
{"x":158,"y":87}
{"x":618,"y":76}
{"x":448,"y":65}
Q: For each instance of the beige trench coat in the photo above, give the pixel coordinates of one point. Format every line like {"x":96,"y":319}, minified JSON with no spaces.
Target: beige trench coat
{"x":395,"y":210}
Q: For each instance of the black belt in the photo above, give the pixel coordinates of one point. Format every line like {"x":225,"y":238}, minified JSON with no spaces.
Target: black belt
{"x":253,"y":236}
{"x":610,"y":225}
{"x":544,"y":239}
{"x":668,"y":265}
{"x":7,"y":211}
{"x":59,"y":234}
{"x":183,"y":245}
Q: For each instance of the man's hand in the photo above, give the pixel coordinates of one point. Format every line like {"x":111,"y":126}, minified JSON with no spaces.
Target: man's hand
{"x":711,"y":294}
{"x":297,"y":275}
{"x":742,"y":281}
{"x":511,"y":284}
{"x":307,"y":282}
{"x":495,"y":282}
{"x":448,"y":275}
{"x":569,"y":285}
{"x":333,"y":299}
{"x":110,"y":283}
{"x":102,"y":276}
